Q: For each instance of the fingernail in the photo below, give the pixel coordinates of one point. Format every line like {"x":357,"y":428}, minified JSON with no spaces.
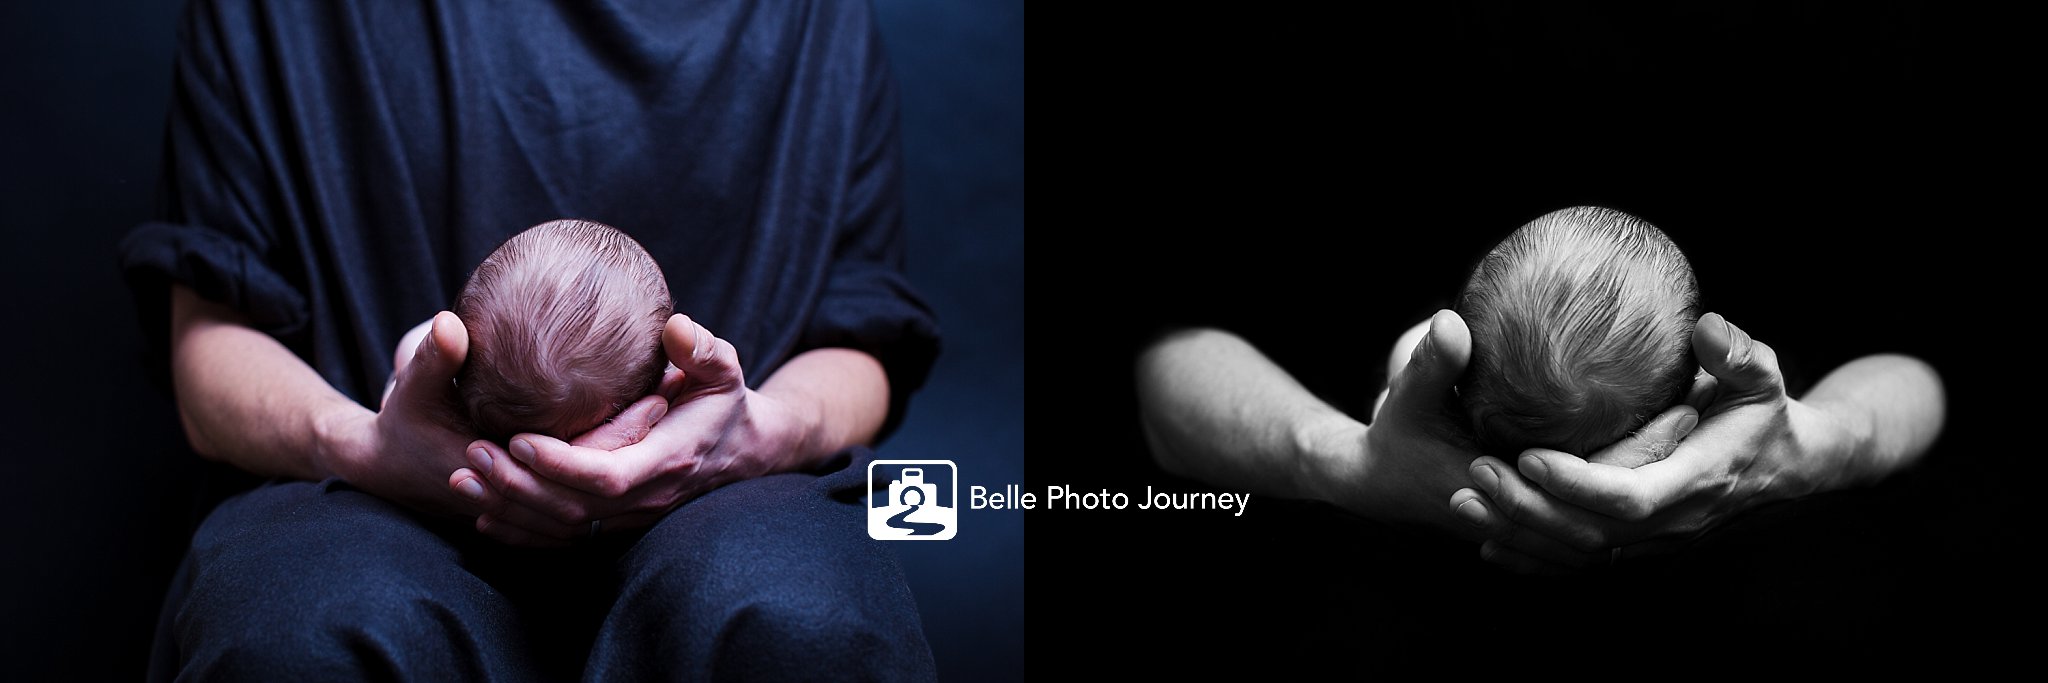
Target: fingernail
{"x":1422,"y":346}
{"x":1488,"y":479}
{"x":432,"y":329}
{"x":1685,"y":425}
{"x":1473,"y":512}
{"x":1533,"y":468}
{"x":480,"y":459}
{"x":470,"y":488}
{"x":523,"y":450}
{"x":655,"y":413}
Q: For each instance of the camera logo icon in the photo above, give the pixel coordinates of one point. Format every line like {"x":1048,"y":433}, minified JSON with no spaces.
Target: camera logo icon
{"x":913,"y":500}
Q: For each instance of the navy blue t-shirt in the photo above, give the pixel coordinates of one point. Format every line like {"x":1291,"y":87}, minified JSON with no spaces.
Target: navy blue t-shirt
{"x":335,"y":170}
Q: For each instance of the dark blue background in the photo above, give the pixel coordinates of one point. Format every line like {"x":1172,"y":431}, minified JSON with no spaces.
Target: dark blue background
{"x":99,"y":489}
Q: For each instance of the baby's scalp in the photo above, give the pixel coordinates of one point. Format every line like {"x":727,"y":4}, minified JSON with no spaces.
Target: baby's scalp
{"x":1581,"y":327}
{"x":565,"y":326}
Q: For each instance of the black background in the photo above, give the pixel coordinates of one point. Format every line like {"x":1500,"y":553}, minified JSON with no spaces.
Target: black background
{"x":1841,"y":175}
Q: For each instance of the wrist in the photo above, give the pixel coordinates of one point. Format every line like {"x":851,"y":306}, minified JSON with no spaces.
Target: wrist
{"x":1330,"y":457}
{"x":1814,"y":455}
{"x":790,"y":430}
{"x":1833,"y":441}
{"x":342,"y":435}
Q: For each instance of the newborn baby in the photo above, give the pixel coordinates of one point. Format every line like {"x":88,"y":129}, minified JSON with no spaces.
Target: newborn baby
{"x":1581,"y":332}
{"x":1581,"y":327}
{"x":564,"y":324}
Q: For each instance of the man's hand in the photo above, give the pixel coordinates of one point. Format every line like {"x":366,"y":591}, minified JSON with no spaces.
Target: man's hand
{"x":402,"y":452}
{"x":712,"y":430}
{"x":405,"y":451}
{"x":1419,"y":452}
{"x":1415,"y":452}
{"x":1554,"y":511}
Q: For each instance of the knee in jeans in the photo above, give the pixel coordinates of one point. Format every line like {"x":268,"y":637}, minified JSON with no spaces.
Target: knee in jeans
{"x":818,"y":631}
{"x":343,"y":633}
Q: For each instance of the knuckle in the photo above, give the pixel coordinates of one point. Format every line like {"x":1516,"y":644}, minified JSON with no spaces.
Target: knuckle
{"x":1740,"y":354}
{"x":1637,"y":507}
{"x":567,"y":513}
{"x":1510,"y":507}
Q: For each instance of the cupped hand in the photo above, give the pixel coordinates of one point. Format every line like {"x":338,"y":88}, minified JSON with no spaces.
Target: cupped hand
{"x":1554,"y":511}
{"x":708,"y":429}
{"x":405,"y":451}
{"x":402,"y":452}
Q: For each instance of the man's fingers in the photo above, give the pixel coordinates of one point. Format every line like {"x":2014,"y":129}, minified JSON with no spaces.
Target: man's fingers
{"x":512,"y":479}
{"x":492,"y":503}
{"x":1422,"y":386}
{"x":1701,"y":395}
{"x":1745,"y":367}
{"x":627,"y":428}
{"x":439,"y":356}
{"x":703,"y":357}
{"x":1484,"y":523}
{"x":1655,"y":441}
{"x":606,"y":474}
{"x":1404,"y":348}
{"x":1628,"y":494}
{"x":672,"y":381}
{"x":1522,"y":506}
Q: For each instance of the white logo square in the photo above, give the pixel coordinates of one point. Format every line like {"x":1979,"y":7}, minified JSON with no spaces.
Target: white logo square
{"x":918,"y":501}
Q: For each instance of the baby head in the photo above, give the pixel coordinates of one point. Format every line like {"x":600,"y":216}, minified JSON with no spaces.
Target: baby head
{"x":565,"y":327}
{"x":1581,"y":332}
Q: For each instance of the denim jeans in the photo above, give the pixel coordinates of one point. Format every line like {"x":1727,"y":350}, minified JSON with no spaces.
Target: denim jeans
{"x":768,"y":579}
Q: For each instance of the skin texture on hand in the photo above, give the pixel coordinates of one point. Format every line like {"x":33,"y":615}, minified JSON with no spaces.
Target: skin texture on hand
{"x":708,"y":429}
{"x":1216,"y":409}
{"x":1416,"y":450}
{"x":246,"y":400}
{"x":404,"y":451}
{"x":399,"y":451}
{"x":1554,"y":512}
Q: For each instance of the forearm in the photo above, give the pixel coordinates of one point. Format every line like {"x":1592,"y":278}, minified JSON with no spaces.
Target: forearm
{"x":1215,"y":409}
{"x":1888,"y":410}
{"x":833,"y":399}
{"x":245,"y":399}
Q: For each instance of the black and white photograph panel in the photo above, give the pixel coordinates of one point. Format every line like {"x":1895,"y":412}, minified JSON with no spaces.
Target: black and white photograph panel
{"x":1546,"y":333}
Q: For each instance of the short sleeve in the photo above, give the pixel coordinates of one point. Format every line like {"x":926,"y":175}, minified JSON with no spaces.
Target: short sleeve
{"x":216,"y":223}
{"x":868,"y":302}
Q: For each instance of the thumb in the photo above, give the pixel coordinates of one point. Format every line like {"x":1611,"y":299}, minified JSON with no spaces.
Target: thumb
{"x":1742,"y":367}
{"x":703,"y":358}
{"x":440,"y":355}
{"x":1433,"y":368}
